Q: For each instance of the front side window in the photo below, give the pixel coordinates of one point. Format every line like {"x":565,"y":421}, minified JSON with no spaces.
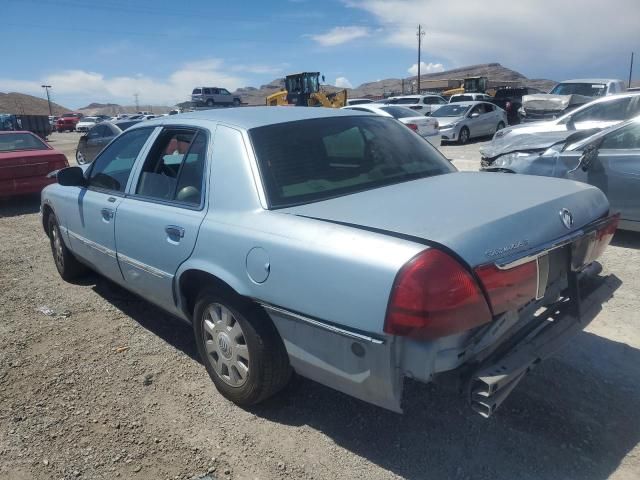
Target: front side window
{"x":313,"y":160}
{"x":625,"y":138}
{"x":224,"y":91}
{"x":174,"y":169}
{"x":111,"y":170}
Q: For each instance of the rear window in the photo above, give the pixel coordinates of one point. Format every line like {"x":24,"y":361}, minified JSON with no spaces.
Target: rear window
{"x":313,"y":160}
{"x":461,"y":98}
{"x":406,"y":101}
{"x":196,"y":91}
{"x":510,"y":92}
{"x":399,"y":112}
{"x":585,"y":89}
{"x":13,"y":142}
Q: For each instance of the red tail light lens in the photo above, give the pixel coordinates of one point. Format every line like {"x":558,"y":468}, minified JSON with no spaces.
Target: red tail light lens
{"x":413,"y":126}
{"x":434,"y":296}
{"x":508,"y":106}
{"x":603,"y":238}
{"x":509,"y":289}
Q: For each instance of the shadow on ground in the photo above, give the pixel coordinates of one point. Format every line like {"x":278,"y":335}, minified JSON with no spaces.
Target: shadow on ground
{"x":626,"y":239}
{"x":573,"y":417}
{"x":19,"y":205}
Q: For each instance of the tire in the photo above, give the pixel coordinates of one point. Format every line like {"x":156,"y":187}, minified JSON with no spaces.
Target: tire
{"x":500,"y":126}
{"x":464,"y":136}
{"x":240,"y":348}
{"x":236,"y":102}
{"x":209,"y":103}
{"x":80,"y":158}
{"x":67,"y":265}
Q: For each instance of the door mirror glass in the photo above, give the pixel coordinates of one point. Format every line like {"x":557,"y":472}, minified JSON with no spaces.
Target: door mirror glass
{"x":71,"y":177}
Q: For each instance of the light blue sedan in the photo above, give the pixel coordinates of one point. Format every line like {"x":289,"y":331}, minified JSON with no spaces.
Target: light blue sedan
{"x":336,"y":244}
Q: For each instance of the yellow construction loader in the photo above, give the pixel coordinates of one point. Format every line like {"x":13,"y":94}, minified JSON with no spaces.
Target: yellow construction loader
{"x":469,"y":85}
{"x":303,"y":90}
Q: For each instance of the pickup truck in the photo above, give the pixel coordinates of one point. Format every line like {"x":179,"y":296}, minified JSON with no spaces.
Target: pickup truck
{"x":510,"y":100}
{"x":566,"y":96}
{"x":68,"y":121}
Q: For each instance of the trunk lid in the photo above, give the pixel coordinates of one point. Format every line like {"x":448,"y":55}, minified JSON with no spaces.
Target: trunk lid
{"x":480,"y":216}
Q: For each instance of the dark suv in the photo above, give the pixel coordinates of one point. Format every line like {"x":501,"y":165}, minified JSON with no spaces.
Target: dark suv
{"x":211,"y":96}
{"x":510,"y":100}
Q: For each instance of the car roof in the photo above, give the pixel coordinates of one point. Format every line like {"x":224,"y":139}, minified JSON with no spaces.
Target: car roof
{"x":7,"y":132}
{"x":253,"y":117}
{"x":591,"y":80}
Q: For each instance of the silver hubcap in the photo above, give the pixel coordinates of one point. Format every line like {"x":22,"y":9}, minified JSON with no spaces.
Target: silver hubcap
{"x":57,"y":247}
{"x":464,"y":136}
{"x":80,"y":158}
{"x":226,"y":345}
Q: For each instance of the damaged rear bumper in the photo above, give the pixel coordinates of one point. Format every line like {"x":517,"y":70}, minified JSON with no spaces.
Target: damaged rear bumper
{"x":490,"y":383}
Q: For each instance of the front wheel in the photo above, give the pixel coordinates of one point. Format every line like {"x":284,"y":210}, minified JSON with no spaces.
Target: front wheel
{"x":240,"y":347}
{"x":236,"y":102}
{"x":67,"y":265}
{"x":500,"y":126}
{"x":464,"y":136}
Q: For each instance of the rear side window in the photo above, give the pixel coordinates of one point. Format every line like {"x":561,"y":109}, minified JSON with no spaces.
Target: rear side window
{"x":111,"y":170}
{"x":174,"y":169}
{"x":399,"y":112}
{"x":207,"y":91}
{"x":196,"y":91}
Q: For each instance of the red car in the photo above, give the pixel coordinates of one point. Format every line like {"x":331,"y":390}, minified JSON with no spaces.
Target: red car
{"x":68,"y":121}
{"x":25,"y":161}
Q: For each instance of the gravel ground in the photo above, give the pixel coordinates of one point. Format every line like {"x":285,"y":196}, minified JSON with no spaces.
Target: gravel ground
{"x":107,"y":386}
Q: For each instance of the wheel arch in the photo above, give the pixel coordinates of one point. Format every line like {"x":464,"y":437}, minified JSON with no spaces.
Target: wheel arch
{"x":192,"y":279}
{"x":47,"y":211}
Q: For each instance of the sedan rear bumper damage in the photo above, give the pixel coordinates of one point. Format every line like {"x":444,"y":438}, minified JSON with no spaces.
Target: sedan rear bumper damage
{"x":494,"y":378}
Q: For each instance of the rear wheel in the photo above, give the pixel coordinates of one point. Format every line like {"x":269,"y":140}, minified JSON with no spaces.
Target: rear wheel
{"x":240,"y":347}
{"x":210,"y":103}
{"x":67,"y":265}
{"x":464,"y":136}
{"x":80,"y":158}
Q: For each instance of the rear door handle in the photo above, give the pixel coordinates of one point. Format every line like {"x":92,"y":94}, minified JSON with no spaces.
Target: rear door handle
{"x":174,"y":231}
{"x":107,"y":213}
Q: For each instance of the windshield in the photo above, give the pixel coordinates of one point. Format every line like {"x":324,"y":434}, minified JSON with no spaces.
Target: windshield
{"x":11,"y":142}
{"x":314,"y":160}
{"x":400,"y":112}
{"x":451,"y":110}
{"x":585,"y":89}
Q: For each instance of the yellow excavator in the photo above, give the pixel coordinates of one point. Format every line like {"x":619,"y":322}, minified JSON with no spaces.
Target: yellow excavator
{"x":469,"y":85}
{"x":303,"y":90}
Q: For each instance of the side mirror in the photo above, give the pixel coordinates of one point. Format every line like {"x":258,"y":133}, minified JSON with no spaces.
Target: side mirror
{"x":474,"y":115}
{"x":589,"y":155}
{"x":71,"y":177}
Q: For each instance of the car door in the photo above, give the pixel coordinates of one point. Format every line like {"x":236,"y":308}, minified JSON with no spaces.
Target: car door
{"x":157,"y":224}
{"x":490,"y":118}
{"x":90,"y":223}
{"x":476,"y":121}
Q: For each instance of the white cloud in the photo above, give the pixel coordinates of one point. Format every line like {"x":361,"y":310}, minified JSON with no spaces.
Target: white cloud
{"x":425,"y":68}
{"x":74,"y":87}
{"x":343,"y":82}
{"x":522,"y":34}
{"x":340,"y":35}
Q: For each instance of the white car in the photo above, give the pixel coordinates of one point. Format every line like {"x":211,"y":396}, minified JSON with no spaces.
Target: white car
{"x":425,"y":104}
{"x":470,"y":97}
{"x":426,"y":127}
{"x":87,"y":123}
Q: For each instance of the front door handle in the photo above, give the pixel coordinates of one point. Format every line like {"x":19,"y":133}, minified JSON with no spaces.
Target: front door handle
{"x":174,"y":231}
{"x":107,"y":213}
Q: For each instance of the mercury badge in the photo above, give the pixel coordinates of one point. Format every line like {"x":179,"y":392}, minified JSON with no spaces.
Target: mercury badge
{"x":567,"y":218}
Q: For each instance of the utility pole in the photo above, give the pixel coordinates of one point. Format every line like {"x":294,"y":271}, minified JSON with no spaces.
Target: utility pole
{"x":631,"y":70}
{"x":46,"y":88}
{"x":421,"y":33}
{"x":136,"y":95}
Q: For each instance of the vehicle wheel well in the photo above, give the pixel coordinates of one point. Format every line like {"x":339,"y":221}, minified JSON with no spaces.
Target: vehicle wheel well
{"x":192,"y":282}
{"x":46,"y":213}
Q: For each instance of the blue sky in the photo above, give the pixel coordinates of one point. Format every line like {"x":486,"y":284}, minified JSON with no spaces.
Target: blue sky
{"x":107,"y":50}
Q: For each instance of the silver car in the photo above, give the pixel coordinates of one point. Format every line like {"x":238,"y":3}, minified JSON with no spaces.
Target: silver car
{"x":601,"y":113}
{"x":336,"y":244}
{"x":609,"y":160}
{"x":460,"y":122}
{"x":424,"y":104}
{"x":214,"y":96}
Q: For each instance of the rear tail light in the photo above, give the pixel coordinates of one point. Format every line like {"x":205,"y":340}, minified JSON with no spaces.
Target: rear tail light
{"x":603,"y":237}
{"x":509,"y":289}
{"x":413,"y":126}
{"x":434,"y":296}
{"x":508,"y":106}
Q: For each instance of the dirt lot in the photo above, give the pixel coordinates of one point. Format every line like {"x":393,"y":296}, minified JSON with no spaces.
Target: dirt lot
{"x":109,"y":386}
